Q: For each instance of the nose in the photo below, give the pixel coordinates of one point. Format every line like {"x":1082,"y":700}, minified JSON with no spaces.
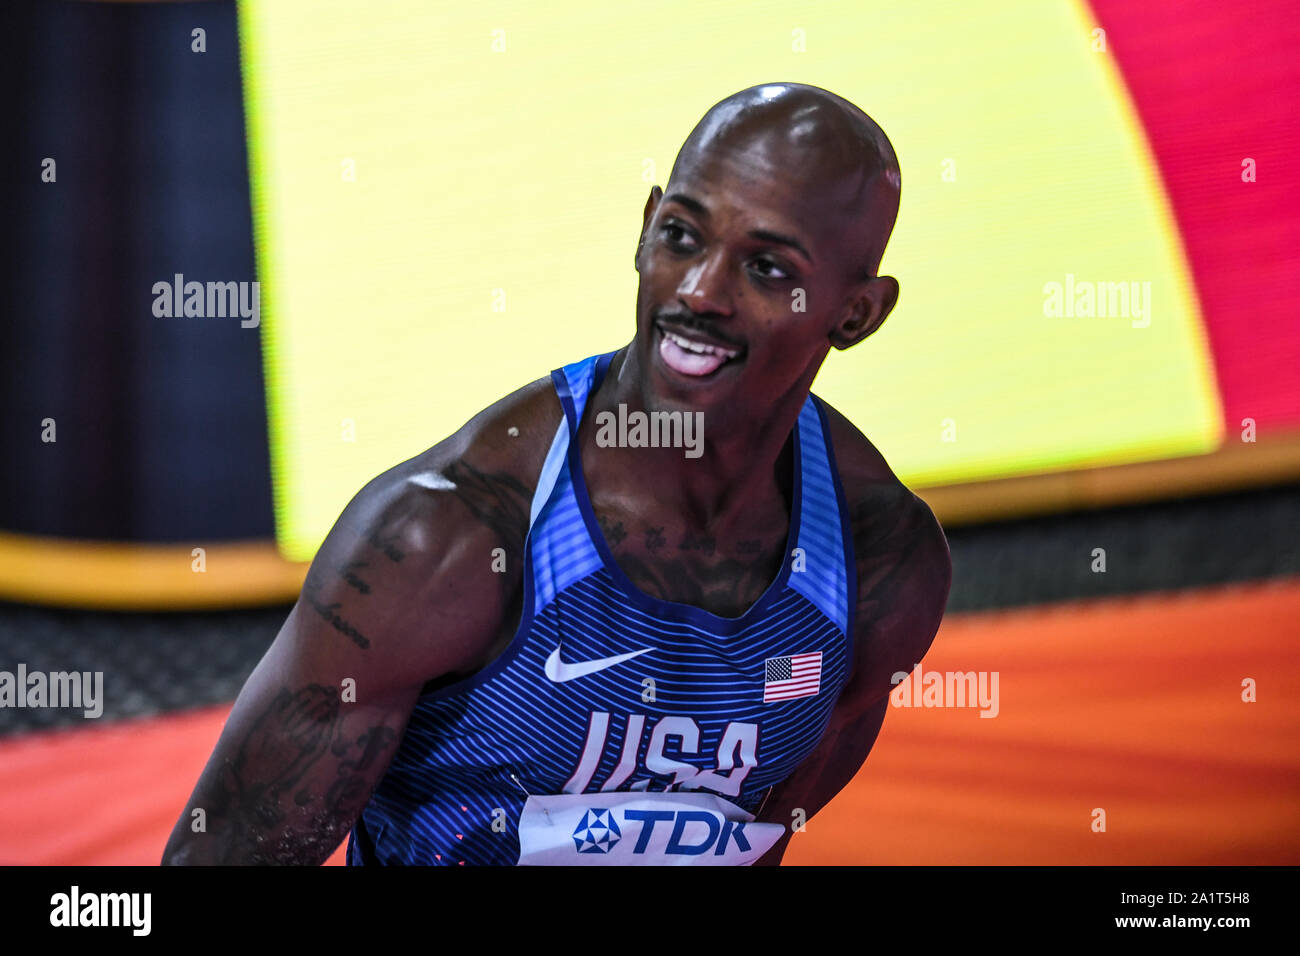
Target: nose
{"x":706,"y":288}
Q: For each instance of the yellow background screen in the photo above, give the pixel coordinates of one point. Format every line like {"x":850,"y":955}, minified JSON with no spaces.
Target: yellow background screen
{"x":448,"y":196}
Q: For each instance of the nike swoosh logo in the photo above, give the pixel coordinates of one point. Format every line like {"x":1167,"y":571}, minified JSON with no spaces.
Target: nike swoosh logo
{"x":559,"y":672}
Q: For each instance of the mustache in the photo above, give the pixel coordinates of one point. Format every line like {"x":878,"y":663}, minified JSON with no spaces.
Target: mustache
{"x":690,"y":322}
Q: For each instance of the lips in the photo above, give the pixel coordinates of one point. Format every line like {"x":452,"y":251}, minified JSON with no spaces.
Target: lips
{"x":688,"y":355}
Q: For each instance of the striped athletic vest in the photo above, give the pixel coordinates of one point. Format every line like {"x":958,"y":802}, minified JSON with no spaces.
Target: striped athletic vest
{"x":617,"y":728}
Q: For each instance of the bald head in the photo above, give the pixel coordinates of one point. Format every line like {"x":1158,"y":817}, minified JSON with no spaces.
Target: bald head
{"x":821,"y":141}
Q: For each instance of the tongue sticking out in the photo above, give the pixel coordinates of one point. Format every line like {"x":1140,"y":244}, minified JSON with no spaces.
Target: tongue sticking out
{"x":686,"y":362}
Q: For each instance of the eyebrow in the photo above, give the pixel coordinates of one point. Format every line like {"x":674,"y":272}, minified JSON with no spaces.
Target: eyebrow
{"x":764,"y":235}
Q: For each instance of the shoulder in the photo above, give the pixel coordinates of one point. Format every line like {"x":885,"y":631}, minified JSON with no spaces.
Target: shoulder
{"x":482,"y":474}
{"x":881,"y":508}
{"x":901,"y":556}
{"x":433,"y":547}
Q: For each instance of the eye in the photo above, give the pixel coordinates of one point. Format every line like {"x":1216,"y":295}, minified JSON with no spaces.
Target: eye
{"x":675,"y":233}
{"x":770,"y":269}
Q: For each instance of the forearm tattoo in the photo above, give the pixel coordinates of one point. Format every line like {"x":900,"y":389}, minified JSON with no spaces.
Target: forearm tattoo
{"x":259,"y":802}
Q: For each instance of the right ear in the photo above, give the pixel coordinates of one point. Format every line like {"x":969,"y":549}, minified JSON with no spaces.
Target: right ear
{"x":651,"y":204}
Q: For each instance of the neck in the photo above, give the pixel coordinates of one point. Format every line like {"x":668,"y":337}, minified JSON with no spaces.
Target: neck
{"x":741,"y":456}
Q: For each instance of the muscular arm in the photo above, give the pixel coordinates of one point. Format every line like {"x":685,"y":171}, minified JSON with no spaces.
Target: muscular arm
{"x":904,"y":573}
{"x":403,"y":591}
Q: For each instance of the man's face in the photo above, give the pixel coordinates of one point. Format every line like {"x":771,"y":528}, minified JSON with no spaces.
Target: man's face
{"x":745,"y":271}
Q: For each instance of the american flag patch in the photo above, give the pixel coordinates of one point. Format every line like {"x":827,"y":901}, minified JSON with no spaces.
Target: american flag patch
{"x":791,"y":677}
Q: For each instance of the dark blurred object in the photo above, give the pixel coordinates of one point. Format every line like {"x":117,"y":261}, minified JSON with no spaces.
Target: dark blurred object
{"x":160,"y":422}
{"x":152,"y":663}
{"x":1164,"y":546}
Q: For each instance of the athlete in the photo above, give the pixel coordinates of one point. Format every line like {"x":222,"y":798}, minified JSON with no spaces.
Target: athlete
{"x":553,"y":638}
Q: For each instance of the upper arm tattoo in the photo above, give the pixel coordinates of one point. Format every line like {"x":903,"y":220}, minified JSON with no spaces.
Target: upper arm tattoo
{"x":499,"y":500}
{"x":330,"y":613}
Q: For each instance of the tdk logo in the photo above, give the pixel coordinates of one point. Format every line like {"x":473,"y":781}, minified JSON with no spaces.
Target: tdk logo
{"x":691,"y":832}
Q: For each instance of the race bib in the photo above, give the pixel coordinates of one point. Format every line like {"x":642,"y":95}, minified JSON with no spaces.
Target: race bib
{"x":640,"y":829}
